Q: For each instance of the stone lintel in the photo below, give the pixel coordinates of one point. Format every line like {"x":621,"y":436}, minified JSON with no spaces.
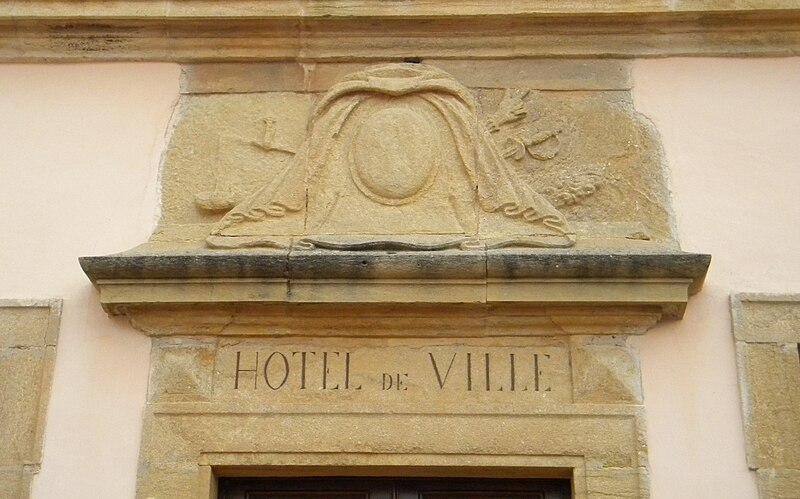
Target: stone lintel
{"x":290,"y":30}
{"x":490,"y":283}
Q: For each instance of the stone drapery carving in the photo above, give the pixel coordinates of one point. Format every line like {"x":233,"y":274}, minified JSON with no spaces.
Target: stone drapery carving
{"x":395,"y":157}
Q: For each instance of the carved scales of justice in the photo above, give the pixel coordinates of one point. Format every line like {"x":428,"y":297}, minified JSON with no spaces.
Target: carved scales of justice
{"x":396,"y":158}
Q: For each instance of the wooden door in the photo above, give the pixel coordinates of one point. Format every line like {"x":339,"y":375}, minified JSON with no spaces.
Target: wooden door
{"x":393,"y":488}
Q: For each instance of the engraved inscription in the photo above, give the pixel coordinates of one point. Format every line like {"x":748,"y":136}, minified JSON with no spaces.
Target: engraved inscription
{"x":301,"y":370}
{"x":411,"y":375}
{"x":440,"y":370}
{"x":480,"y":372}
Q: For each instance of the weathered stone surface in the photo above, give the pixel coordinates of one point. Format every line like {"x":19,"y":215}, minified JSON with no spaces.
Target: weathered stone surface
{"x":395,"y":157}
{"x":778,"y":484}
{"x":409,"y":376}
{"x":184,"y":370}
{"x":224,"y":147}
{"x":28,"y":335}
{"x":313,"y":9}
{"x":386,"y":320}
{"x":771,"y":378}
{"x":14,"y":484}
{"x":763,"y":318}
{"x":177,"y":441}
{"x":156,"y":276}
{"x":157,"y":261}
{"x":380,"y":265}
{"x":606,"y":159}
{"x":588,"y":153}
{"x":244,"y":30}
{"x":622,"y":484}
{"x":605,"y":371}
{"x":255,"y":398}
{"x":597,"y":263}
{"x":768,"y":361}
{"x":540,"y":74}
{"x":245,"y":78}
{"x":23,"y":326}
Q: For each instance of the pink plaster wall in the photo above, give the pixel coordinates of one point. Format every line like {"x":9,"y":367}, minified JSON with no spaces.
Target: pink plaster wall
{"x":79,"y":153}
{"x":731,"y":135}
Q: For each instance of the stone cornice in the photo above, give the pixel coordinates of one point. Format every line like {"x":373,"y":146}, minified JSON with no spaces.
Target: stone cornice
{"x":591,"y":281}
{"x":186,"y":31}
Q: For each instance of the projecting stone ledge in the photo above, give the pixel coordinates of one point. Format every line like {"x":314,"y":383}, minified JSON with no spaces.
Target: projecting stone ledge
{"x":514,"y":282}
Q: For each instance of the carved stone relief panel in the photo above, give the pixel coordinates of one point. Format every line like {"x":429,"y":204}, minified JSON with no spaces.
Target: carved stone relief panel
{"x":405,"y":156}
{"x":28,"y":336}
{"x":588,"y":153}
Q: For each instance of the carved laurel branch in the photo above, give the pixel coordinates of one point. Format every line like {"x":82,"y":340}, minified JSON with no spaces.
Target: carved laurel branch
{"x":573,"y":188}
{"x":541,"y":145}
{"x":510,"y":110}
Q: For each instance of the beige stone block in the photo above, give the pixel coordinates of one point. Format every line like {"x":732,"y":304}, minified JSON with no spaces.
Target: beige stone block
{"x":14,"y":484}
{"x":21,"y":373}
{"x":386,"y":320}
{"x":28,"y":335}
{"x":369,"y":441}
{"x":182,"y":369}
{"x":344,"y":402}
{"x":603,"y":439}
{"x":669,"y":292}
{"x":195,"y":291}
{"x":170,"y":484}
{"x":630,"y":483}
{"x":768,"y":362}
{"x":770,"y":375}
{"x":540,"y":74}
{"x":332,"y":9}
{"x":90,"y":8}
{"x":323,"y":75}
{"x":605,"y":370}
{"x":244,"y":78}
{"x":766,"y":318}
{"x":239,"y":8}
{"x":386,"y":291}
{"x":778,"y":484}
{"x":23,"y":326}
{"x":224,"y":147}
{"x":543,"y":74}
{"x":379,"y":375}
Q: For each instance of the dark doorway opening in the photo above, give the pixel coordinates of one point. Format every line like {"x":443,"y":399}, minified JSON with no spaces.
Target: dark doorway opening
{"x":393,"y":488}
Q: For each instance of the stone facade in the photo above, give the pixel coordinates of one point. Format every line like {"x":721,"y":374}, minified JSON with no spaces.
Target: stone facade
{"x":427,"y":249}
{"x":402,"y":272}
